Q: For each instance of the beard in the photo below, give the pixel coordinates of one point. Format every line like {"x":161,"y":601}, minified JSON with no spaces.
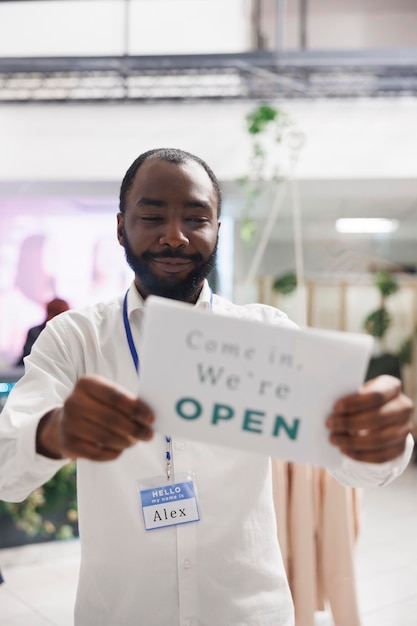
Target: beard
{"x":186,"y":289}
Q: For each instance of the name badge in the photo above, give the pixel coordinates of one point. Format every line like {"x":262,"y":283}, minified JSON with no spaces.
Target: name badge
{"x":169,"y":504}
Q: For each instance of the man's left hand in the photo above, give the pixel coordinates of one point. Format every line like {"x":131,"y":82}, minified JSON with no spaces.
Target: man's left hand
{"x":372,"y":425}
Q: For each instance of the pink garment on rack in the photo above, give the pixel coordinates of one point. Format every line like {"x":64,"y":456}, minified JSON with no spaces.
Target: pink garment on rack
{"x":318,"y":523}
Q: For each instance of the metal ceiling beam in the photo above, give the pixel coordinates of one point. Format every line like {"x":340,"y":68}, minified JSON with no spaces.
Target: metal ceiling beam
{"x":252,"y":75}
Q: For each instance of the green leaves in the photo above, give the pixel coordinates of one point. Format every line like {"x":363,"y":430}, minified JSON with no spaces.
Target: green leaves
{"x":50,"y":510}
{"x":258,"y":120}
{"x":377,"y":323}
{"x":286,"y":283}
{"x":386,"y":283}
{"x":265,"y":125}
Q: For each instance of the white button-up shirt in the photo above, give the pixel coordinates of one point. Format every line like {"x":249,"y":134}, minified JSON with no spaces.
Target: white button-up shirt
{"x":224,"y":570}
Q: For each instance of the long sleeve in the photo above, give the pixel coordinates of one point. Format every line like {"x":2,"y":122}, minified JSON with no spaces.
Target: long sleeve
{"x":43,"y":387}
{"x":22,"y":469}
{"x":357,"y":474}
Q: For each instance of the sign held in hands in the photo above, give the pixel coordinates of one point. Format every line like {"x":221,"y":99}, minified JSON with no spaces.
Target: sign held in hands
{"x":240,"y":383}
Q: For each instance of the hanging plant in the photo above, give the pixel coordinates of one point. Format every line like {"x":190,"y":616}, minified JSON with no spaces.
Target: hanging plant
{"x":386,"y":283}
{"x":286,"y":283}
{"x":406,"y":349}
{"x":405,"y":353}
{"x":261,"y":118}
{"x":263,"y":123}
{"x":378,"y":322}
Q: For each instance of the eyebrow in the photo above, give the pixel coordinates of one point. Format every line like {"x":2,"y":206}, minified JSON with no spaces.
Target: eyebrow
{"x":150,"y":202}
{"x":191,"y":204}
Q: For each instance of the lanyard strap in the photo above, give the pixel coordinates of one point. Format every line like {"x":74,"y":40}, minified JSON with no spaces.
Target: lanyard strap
{"x":129,"y":335}
{"x":135,"y":358}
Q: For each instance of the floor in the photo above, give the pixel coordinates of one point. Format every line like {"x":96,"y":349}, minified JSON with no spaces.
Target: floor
{"x":40,"y":580}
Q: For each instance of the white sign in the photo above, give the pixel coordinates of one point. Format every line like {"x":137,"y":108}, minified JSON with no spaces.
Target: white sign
{"x":240,"y":383}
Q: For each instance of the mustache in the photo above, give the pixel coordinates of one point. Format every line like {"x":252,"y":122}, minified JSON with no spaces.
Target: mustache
{"x":172,"y":254}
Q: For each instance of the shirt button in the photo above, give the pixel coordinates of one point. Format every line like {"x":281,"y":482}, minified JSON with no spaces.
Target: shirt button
{"x":180,"y":445}
{"x":187,"y":564}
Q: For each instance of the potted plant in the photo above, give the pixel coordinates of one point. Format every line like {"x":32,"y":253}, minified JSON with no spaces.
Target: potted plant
{"x":377,"y":324}
{"x":48,"y":513}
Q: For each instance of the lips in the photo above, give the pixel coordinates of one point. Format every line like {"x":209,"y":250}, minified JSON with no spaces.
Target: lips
{"x":172,"y":265}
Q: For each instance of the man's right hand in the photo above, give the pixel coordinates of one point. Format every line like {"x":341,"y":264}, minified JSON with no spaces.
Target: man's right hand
{"x":97,"y":421}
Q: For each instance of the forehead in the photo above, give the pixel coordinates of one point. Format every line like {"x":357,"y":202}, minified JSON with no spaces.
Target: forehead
{"x":157,"y":178}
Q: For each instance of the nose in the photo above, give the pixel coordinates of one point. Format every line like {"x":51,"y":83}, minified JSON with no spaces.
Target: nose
{"x":173,"y":235}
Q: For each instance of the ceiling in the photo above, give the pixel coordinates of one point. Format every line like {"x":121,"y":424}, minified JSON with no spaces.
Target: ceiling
{"x":236,"y":76}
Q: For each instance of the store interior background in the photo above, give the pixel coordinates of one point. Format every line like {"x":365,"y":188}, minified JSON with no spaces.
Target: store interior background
{"x":61,"y":161}
{"x":62,"y":158}
{"x":63,"y":154}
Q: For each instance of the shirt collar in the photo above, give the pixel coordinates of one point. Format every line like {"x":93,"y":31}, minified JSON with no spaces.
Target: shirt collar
{"x":135,"y":301}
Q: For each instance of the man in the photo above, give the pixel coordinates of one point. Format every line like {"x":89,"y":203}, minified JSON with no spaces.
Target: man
{"x":53,"y":308}
{"x":225,"y":569}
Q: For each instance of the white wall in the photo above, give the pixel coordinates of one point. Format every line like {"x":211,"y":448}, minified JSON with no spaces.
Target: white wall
{"x":344,"y":139}
{"x":346,"y":24}
{"x":98,"y":27}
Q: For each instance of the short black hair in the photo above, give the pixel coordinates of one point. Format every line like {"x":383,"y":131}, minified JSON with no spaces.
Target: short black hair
{"x":172,"y":155}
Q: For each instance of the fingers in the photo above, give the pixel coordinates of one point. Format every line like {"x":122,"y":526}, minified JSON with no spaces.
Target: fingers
{"x":395,"y":411}
{"x":100,"y":419}
{"x":114,"y":397}
{"x":372,"y":425}
{"x":373,"y":394}
{"x":372,"y":447}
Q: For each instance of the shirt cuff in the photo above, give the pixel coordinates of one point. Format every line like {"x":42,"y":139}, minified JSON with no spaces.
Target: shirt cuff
{"x":37,"y":469}
{"x":358,"y":474}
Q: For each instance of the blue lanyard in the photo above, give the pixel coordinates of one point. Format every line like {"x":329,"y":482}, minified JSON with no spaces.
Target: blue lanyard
{"x":135,"y":357}
{"x":129,"y":335}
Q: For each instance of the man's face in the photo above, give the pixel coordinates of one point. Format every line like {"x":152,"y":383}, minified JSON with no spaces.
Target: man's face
{"x":170,"y":228}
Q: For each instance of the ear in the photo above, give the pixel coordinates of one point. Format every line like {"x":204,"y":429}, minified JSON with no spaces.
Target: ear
{"x":120,"y":224}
